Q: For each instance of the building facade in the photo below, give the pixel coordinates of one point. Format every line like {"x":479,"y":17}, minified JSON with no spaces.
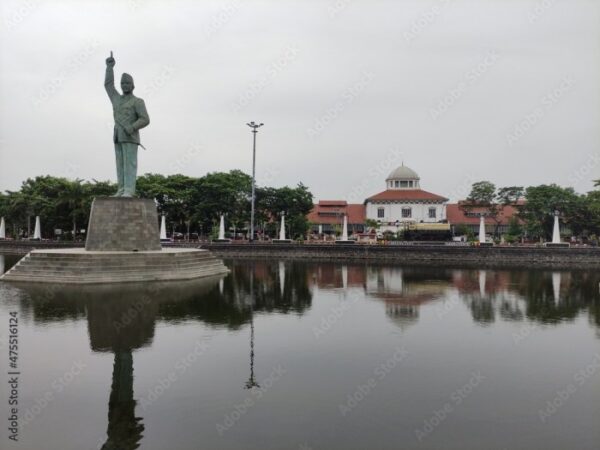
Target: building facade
{"x":327,"y":217}
{"x":404,"y":202}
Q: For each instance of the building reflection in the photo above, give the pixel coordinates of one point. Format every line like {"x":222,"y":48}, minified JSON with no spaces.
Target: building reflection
{"x":405,"y":290}
{"x":512,"y":295}
{"x":122,"y":319}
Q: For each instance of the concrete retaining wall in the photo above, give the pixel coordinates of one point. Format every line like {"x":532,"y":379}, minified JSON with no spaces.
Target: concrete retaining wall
{"x":456,"y":256}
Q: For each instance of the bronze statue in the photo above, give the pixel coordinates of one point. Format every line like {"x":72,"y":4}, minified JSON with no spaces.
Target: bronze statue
{"x":130,"y":116}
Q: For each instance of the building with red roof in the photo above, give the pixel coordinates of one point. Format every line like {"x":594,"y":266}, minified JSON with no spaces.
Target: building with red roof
{"x":404,"y":202}
{"x":462,"y":213}
{"x":327,"y":215}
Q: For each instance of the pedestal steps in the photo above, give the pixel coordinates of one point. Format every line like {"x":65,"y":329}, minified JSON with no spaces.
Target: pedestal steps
{"x":80,"y":267}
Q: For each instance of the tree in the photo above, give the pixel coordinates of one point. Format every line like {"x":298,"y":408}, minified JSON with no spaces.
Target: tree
{"x":541,"y":203}
{"x":482,"y":193}
{"x":515,"y":230}
{"x":295,"y":202}
{"x":509,"y":195}
{"x":483,"y":198}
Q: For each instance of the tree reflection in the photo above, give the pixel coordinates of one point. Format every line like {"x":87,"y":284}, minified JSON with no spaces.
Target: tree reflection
{"x":121,"y":319}
{"x":540,"y":296}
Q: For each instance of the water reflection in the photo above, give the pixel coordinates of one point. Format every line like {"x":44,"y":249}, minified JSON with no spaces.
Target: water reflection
{"x":123,"y":320}
{"x":120,"y":320}
{"x":258,"y":287}
{"x":405,"y":290}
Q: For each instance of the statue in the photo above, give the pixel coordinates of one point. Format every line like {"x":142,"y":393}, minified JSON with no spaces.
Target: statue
{"x":130,"y":116}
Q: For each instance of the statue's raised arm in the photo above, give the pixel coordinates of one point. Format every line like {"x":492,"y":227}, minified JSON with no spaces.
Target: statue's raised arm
{"x":109,"y":79}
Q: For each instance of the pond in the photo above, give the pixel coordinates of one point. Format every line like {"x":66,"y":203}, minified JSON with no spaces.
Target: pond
{"x":302,"y":355}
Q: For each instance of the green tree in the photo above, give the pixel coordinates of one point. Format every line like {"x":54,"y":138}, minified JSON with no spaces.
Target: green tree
{"x":541,"y":203}
{"x":515,"y":230}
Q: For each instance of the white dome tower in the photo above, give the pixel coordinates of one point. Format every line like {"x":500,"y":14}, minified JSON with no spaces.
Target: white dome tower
{"x":402,"y":178}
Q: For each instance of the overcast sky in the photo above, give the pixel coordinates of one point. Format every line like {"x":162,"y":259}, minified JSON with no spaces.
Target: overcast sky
{"x":500,"y":90}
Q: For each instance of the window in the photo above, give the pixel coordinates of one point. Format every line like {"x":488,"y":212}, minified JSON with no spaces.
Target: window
{"x":404,"y":183}
{"x":432,"y":213}
{"x":406,"y":213}
{"x":380,"y":213}
{"x":396,"y":183}
{"x":410,"y":184}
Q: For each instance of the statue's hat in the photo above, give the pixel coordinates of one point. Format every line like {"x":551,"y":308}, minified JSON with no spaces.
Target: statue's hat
{"x":126,"y":77}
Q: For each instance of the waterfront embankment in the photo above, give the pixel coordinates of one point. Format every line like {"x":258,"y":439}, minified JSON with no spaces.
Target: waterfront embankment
{"x":423,"y":254}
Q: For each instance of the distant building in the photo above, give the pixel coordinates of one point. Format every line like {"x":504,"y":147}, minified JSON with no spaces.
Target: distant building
{"x":461,"y":213}
{"x":404,"y":202}
{"x":328,"y":215}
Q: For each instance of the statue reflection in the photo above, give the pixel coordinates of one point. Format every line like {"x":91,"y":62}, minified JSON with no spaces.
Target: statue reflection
{"x":121,"y":319}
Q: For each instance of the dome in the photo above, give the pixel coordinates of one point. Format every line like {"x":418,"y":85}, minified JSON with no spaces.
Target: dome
{"x":403,"y":173}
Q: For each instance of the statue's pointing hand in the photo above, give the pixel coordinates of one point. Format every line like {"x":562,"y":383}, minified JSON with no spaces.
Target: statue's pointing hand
{"x":110,"y":61}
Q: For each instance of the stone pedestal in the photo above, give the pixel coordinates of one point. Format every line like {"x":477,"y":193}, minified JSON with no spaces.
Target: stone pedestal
{"x":122,"y":246}
{"x":79,"y":266}
{"x":123,"y":224}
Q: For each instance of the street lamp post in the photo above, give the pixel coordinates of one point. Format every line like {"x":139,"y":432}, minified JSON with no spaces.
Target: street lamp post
{"x":255,"y":128}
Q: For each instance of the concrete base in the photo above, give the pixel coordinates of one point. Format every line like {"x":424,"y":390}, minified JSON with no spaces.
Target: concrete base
{"x":123,"y":224}
{"x":281,"y":241}
{"x":78,"y":266}
{"x":222,"y":240}
{"x":486,"y":244}
{"x":557,"y":245}
{"x":339,"y":241}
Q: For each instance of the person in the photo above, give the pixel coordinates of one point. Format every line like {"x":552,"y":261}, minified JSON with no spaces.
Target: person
{"x":130,"y":116}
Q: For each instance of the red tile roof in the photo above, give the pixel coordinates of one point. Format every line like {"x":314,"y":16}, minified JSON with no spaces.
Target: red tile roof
{"x":333,"y":202}
{"x":456,"y":215}
{"x":405,"y":195}
{"x":326,"y":214}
